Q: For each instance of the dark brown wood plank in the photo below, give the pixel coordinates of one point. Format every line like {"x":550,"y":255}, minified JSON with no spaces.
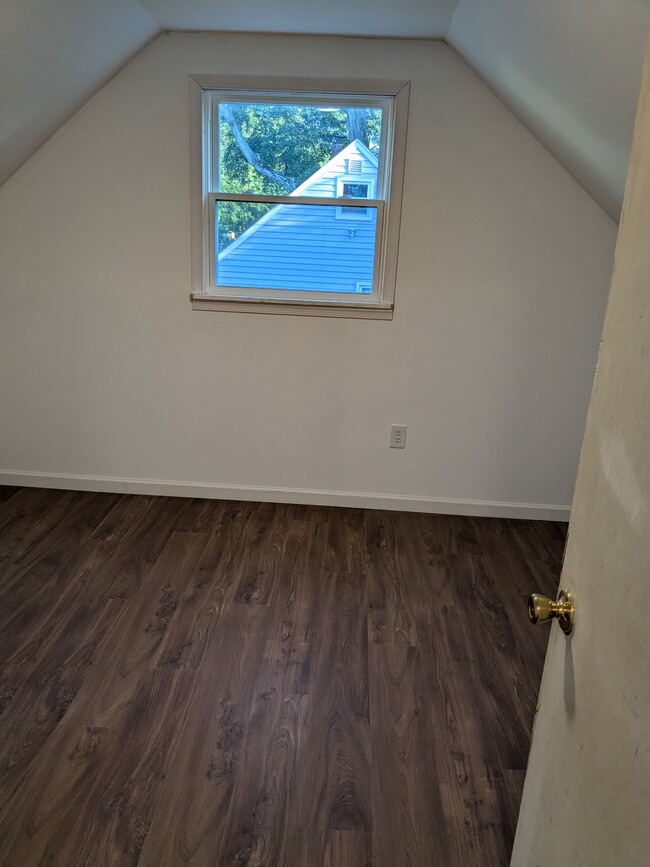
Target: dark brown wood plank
{"x":42,"y":552}
{"x":266,"y":553}
{"x":123,"y":574}
{"x":40,"y":579}
{"x":93,"y":795}
{"x":213,"y":583}
{"x":39,"y":614}
{"x":7,"y":491}
{"x":334,"y":789}
{"x":125,"y":655}
{"x":22,"y":512}
{"x":122,"y":519}
{"x":403,"y":786}
{"x":56,"y":673}
{"x":331,"y":848}
{"x":32,"y":827}
{"x":190,"y":826}
{"x":392,"y":618}
{"x":263,"y":809}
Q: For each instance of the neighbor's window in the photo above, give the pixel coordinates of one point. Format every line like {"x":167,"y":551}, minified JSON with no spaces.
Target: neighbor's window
{"x":353,"y":188}
{"x":300,"y":198}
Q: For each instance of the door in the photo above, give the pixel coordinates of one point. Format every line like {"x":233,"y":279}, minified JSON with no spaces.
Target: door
{"x":586,"y":798}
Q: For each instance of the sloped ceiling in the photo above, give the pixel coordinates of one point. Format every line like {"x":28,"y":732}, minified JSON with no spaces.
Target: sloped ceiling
{"x":421,"y":18}
{"x":569,"y":69}
{"x":53,"y":57}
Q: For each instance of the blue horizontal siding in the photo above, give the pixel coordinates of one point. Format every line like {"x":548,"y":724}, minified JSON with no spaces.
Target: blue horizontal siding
{"x":306,"y":247}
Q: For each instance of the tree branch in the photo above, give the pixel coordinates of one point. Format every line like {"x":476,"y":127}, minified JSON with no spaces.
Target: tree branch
{"x":250,"y":156}
{"x":358,"y":124}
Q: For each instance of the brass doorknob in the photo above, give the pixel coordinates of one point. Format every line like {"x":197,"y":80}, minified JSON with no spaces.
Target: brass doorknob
{"x":541,"y":609}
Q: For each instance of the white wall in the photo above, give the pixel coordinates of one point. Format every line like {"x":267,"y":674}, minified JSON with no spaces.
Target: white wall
{"x":570,"y":70}
{"x":106,"y":371}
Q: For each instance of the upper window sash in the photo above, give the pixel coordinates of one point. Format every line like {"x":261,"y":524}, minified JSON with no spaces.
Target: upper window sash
{"x":212,"y":100}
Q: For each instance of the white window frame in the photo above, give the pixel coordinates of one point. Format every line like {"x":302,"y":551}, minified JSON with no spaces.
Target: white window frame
{"x":378,"y":305}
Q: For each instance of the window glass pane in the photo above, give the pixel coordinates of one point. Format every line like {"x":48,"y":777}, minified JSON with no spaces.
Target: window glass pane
{"x":355,"y":191}
{"x":309,"y":248}
{"x":273,"y":149}
{"x":234,"y":218}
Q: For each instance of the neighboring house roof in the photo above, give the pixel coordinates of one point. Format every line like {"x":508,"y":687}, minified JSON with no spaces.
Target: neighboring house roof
{"x":311,"y":247}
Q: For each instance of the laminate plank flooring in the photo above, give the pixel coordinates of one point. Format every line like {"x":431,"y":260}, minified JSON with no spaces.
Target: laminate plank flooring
{"x":222,"y":684}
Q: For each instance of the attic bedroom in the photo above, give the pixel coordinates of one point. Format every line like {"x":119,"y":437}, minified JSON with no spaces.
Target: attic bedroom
{"x":300,"y":311}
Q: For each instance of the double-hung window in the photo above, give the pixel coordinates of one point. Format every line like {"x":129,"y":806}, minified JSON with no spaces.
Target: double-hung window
{"x":297,"y":195}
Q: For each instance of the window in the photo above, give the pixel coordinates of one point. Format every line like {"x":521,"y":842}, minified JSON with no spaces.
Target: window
{"x":296,"y":195}
{"x":353,"y":188}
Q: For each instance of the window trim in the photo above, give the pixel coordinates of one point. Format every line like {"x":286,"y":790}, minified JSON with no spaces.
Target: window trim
{"x":390,"y":209}
{"x":354,"y":179}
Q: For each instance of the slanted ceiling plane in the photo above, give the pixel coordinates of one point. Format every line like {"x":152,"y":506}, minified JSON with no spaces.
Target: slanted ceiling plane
{"x":568,"y":69}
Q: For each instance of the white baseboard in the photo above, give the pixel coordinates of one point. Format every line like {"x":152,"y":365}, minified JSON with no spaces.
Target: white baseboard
{"x":306,"y":496}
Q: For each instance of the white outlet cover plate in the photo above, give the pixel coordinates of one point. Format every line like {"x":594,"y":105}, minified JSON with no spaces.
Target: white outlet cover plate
{"x":398,"y":436}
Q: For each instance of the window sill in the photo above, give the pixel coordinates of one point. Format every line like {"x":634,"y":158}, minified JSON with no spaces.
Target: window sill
{"x":335,"y":309}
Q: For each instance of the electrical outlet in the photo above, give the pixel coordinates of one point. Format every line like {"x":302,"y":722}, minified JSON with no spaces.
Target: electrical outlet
{"x":398,"y":436}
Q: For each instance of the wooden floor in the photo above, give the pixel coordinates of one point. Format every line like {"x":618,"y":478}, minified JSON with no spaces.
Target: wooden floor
{"x":197,"y":682}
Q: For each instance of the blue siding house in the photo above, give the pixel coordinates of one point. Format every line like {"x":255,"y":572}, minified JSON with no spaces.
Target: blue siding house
{"x":311,"y":247}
